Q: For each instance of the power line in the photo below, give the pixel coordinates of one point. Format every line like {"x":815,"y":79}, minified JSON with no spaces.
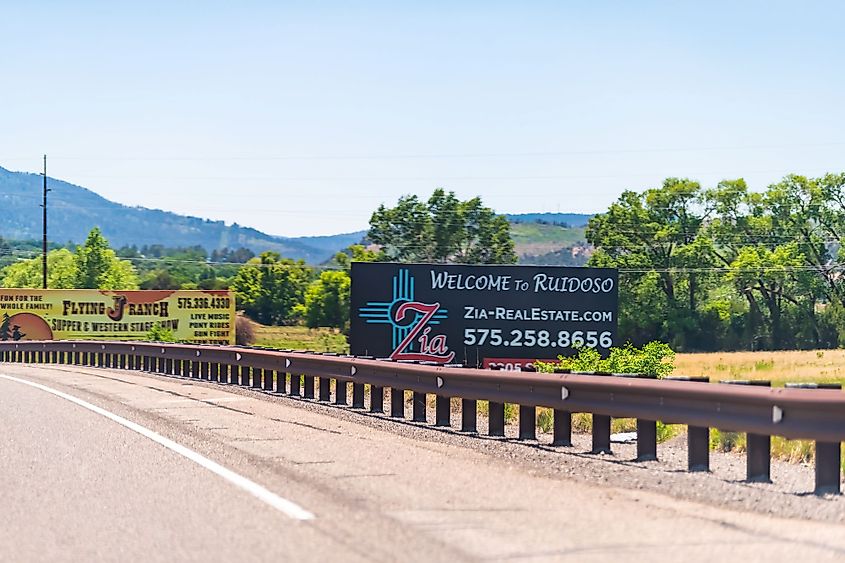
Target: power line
{"x":410,"y":156}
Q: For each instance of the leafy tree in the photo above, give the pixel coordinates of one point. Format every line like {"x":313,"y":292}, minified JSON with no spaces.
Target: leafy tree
{"x":269,"y":288}
{"x":443,"y":229}
{"x":160,"y":279}
{"x":327,"y":300}
{"x":98,"y":267}
{"x":355,"y":253}
{"x":61,"y":271}
{"x":657,"y":236}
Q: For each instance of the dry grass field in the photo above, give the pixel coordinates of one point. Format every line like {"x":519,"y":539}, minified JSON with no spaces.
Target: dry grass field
{"x":819,"y":366}
{"x":300,"y":338}
{"x":816,"y":366}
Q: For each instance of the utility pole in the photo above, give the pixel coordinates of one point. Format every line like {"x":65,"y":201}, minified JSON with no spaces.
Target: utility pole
{"x":44,"y":241}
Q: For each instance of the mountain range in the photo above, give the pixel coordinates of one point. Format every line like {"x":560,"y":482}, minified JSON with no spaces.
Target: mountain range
{"x":74,"y":210}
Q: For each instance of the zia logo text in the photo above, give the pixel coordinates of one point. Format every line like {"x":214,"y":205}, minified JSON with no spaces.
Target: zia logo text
{"x":411,"y":322}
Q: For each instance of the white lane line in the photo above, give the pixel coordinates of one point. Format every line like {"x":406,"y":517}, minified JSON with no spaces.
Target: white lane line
{"x":283,"y":505}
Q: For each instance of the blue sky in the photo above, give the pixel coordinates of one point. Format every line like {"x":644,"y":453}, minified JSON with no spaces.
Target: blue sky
{"x":301,"y":117}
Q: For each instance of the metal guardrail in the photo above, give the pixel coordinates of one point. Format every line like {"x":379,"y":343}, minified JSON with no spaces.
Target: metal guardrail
{"x":796,"y":413}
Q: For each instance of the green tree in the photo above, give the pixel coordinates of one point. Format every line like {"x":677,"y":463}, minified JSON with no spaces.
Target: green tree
{"x":98,"y":267}
{"x":61,"y":271}
{"x":657,"y":236}
{"x":269,"y":288}
{"x":443,"y":229}
{"x":327,"y":300}
{"x":160,"y":279}
{"x":355,"y":253}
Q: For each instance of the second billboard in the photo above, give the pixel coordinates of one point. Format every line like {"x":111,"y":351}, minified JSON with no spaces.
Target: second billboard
{"x":501,"y":316}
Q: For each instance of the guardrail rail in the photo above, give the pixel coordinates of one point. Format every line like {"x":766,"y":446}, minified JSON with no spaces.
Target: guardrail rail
{"x":798,"y":412}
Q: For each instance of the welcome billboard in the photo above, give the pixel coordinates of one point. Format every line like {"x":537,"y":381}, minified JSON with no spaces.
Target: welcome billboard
{"x":502,"y":316}
{"x":201,"y":317}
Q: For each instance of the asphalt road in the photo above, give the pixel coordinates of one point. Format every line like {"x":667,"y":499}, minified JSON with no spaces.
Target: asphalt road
{"x":247,"y":479}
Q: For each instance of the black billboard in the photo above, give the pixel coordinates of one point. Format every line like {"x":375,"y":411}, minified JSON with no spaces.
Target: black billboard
{"x":505,"y":316}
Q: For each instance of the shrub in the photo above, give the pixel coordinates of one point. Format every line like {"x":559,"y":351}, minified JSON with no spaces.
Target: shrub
{"x":159,"y":334}
{"x":244,"y":331}
{"x":545,"y":420}
{"x":655,"y":358}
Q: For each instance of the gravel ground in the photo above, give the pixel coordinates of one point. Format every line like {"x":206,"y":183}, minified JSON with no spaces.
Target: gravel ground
{"x":789,"y":495}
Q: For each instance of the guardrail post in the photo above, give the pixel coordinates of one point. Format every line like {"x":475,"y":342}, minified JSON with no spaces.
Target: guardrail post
{"x":496,"y":419}
{"x":295,"y":384}
{"x":397,"y":402}
{"x":205,"y":371}
{"x":325,"y":389}
{"x":698,"y":448}
{"x":828,"y":454}
{"x":309,"y":386}
{"x":828,"y":458}
{"x":268,"y":379}
{"x":357,"y":395}
{"x":527,"y":422}
{"x":758,"y":457}
{"x":758,"y":452}
{"x":698,"y":437}
{"x":340,"y":389}
{"x":419,"y":407}
{"x":601,"y":434}
{"x":256,"y":378}
{"x":376,"y":399}
{"x":177,"y":368}
{"x":223,"y":369}
{"x":646,"y":440}
{"x":562,"y":421}
{"x":281,"y":382}
{"x":469,"y":415}
{"x":443,"y":408}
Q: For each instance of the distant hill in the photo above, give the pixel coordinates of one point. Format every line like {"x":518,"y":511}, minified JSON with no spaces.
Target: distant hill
{"x":544,"y":243}
{"x":540,"y":238}
{"x":570,"y":219}
{"x":74,"y":210}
